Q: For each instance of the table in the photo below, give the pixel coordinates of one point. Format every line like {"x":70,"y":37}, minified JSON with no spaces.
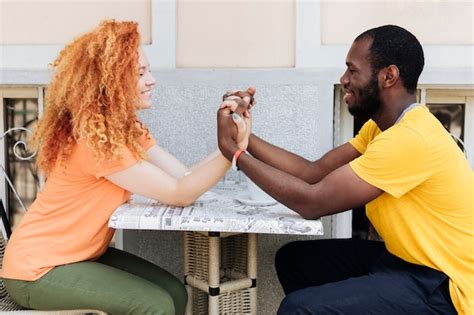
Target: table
{"x":220,"y":243}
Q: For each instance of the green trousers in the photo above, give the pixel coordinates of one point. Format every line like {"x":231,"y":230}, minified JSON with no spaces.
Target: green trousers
{"x":116,"y":283}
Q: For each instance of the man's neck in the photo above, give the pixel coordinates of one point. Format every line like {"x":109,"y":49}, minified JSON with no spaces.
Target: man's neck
{"x":389,"y":112}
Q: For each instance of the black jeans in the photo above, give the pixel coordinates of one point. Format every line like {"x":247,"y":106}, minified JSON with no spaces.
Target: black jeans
{"x":346,"y":276}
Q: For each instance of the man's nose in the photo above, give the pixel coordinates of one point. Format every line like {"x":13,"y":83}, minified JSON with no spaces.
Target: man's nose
{"x":344,"y":79}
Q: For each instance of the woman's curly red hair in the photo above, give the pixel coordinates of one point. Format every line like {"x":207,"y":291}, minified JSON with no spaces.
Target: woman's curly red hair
{"x":93,"y":97}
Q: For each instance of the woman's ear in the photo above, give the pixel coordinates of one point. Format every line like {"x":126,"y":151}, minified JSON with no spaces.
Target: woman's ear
{"x":390,"y":76}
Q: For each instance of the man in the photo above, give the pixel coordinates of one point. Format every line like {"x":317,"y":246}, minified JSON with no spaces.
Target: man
{"x":403,"y":165}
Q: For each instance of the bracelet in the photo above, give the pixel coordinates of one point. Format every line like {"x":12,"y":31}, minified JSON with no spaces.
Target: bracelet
{"x":235,"y":158}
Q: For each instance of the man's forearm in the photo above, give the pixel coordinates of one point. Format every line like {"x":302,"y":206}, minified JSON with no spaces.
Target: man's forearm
{"x":289,"y":190}
{"x":310,"y":172}
{"x":279,"y":158}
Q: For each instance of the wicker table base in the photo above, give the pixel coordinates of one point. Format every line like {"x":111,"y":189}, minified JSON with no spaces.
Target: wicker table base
{"x":220,"y":271}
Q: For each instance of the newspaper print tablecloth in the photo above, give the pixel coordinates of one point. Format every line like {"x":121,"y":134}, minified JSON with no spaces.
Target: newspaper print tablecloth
{"x":217,"y":211}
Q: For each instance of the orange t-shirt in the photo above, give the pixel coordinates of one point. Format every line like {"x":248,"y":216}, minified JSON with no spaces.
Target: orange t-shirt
{"x":67,"y":223}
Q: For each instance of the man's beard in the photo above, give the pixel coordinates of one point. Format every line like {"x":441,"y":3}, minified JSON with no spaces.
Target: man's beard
{"x":369,"y":101}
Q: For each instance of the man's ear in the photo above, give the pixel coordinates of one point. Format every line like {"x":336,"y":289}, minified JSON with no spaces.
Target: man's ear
{"x":389,"y":76}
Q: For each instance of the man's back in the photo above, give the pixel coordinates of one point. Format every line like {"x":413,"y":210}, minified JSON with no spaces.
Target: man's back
{"x":425,"y":215}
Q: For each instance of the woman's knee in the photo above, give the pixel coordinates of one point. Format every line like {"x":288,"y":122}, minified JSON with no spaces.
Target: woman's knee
{"x":162,"y":304}
{"x":179,"y":295}
{"x":181,"y":292}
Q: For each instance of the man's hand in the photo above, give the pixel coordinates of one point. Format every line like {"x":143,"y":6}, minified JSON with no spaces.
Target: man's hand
{"x":239,"y":96}
{"x":244,"y":125}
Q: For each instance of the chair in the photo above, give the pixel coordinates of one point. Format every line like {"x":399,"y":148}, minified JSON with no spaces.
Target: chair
{"x":6,"y":302}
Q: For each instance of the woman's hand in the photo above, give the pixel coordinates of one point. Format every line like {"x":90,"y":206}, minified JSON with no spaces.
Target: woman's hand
{"x":243,"y":124}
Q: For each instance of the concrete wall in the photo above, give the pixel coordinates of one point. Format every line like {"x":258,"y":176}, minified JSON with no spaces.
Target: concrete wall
{"x":294,"y":110}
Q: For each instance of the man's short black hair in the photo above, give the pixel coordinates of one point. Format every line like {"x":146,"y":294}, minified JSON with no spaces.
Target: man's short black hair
{"x":394,"y":45}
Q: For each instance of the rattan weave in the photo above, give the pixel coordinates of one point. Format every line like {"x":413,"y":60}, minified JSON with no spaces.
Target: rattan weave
{"x":233,"y":265}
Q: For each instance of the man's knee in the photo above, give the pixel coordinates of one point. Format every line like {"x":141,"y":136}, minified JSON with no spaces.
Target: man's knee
{"x":306,"y":302}
{"x":291,"y":305}
{"x":283,"y":257}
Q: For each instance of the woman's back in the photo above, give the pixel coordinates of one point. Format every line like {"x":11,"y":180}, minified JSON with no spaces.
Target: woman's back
{"x":68,"y":220}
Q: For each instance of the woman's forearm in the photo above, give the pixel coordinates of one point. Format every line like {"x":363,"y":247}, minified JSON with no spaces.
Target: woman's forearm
{"x":209,"y":158}
{"x":203,"y":177}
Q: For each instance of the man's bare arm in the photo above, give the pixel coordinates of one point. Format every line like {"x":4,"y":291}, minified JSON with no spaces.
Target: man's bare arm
{"x":308,"y":171}
{"x":339,"y":191}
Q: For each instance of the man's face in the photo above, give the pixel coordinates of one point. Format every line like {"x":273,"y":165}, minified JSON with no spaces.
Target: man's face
{"x":361,"y":89}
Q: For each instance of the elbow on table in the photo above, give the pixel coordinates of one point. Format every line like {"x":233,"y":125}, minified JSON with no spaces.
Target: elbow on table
{"x":177,"y":199}
{"x":309,"y":215}
{"x":309,"y":212}
{"x":183,"y":201}
{"x":181,"y":196}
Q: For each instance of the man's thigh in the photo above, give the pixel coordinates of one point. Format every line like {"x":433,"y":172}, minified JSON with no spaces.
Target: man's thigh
{"x":377,"y":293}
{"x":304,"y":264}
{"x":92,"y":285}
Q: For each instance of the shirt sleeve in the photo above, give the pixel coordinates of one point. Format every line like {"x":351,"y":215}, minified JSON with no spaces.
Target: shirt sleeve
{"x":105,"y":168}
{"x":368,"y":131}
{"x":395,"y":161}
{"x":127,"y":159}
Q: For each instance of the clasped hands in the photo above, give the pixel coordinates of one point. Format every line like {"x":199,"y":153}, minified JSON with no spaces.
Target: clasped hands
{"x":234,"y":121}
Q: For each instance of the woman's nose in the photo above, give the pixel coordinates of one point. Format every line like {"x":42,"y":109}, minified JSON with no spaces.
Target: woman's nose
{"x":151,"y":81}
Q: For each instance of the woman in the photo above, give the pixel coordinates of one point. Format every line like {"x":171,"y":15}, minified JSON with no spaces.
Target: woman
{"x":94,"y":152}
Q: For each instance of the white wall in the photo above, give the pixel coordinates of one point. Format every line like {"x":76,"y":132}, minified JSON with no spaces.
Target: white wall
{"x":433,"y":22}
{"x":236,"y":34}
{"x":49,"y":22}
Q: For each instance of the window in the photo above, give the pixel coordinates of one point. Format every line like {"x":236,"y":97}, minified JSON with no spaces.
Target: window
{"x":19,"y":114}
{"x":455,"y":109}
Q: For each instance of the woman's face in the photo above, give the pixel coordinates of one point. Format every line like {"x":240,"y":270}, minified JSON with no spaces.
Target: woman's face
{"x":145,"y":81}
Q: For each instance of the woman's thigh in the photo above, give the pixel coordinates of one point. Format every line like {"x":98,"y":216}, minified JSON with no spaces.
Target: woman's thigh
{"x":92,"y":285}
{"x":149,"y":271}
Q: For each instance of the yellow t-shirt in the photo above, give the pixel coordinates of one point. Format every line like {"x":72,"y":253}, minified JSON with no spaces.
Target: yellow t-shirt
{"x":67,"y":223}
{"x":425,"y":214}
